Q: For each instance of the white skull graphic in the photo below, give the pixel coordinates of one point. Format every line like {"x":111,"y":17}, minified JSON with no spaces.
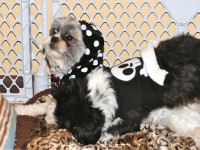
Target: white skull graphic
{"x":126,"y":71}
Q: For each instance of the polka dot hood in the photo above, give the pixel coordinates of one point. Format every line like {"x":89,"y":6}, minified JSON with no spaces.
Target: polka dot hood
{"x":93,"y":56}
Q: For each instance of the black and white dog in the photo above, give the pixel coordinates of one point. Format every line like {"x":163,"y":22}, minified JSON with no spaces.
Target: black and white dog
{"x":97,"y":103}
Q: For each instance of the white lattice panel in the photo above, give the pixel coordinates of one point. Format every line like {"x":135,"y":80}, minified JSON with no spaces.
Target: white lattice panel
{"x":126,"y":25}
{"x":38,"y":23}
{"x":194,"y":26}
{"x":21,"y":37}
{"x":14,"y":82}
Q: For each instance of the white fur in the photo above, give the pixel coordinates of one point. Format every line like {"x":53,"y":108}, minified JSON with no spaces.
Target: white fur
{"x":149,"y":57}
{"x":105,"y":137}
{"x":184,"y":120}
{"x":50,"y":117}
{"x":32,"y":109}
{"x":102,"y":95}
{"x":56,"y":59}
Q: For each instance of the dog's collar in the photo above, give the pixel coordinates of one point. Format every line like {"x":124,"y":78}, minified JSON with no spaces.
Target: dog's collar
{"x":55,"y":80}
{"x":93,"y":56}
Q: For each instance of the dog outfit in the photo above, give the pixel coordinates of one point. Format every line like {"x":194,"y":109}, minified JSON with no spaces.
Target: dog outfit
{"x":139,"y":81}
{"x":134,"y":88}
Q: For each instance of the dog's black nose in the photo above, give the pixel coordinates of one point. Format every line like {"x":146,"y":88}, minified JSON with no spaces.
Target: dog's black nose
{"x":54,"y":39}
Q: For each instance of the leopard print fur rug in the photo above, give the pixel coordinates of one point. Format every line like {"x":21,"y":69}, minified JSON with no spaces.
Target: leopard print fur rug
{"x":150,"y":137}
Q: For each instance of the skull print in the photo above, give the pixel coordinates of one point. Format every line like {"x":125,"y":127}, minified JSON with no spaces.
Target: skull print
{"x":127,"y":70}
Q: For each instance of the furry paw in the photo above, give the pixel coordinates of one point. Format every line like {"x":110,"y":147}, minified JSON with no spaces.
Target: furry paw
{"x":50,"y":103}
{"x":50,"y":117}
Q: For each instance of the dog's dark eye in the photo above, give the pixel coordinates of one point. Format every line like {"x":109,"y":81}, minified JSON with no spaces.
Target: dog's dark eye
{"x":68,"y":37}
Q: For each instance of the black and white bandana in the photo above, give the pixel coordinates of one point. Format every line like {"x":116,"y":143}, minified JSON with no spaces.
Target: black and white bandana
{"x":93,"y":56}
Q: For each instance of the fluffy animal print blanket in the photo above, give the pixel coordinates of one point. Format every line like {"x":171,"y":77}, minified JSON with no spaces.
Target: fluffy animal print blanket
{"x":151,"y":137}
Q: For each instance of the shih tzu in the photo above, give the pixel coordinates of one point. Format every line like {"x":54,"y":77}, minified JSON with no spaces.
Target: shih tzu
{"x":96,"y":103}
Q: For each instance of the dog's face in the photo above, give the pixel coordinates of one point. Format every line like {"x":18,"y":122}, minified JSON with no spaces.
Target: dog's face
{"x":64,"y":47}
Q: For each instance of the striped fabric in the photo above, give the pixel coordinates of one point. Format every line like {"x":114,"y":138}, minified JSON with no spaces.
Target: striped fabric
{"x":7,"y":125}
